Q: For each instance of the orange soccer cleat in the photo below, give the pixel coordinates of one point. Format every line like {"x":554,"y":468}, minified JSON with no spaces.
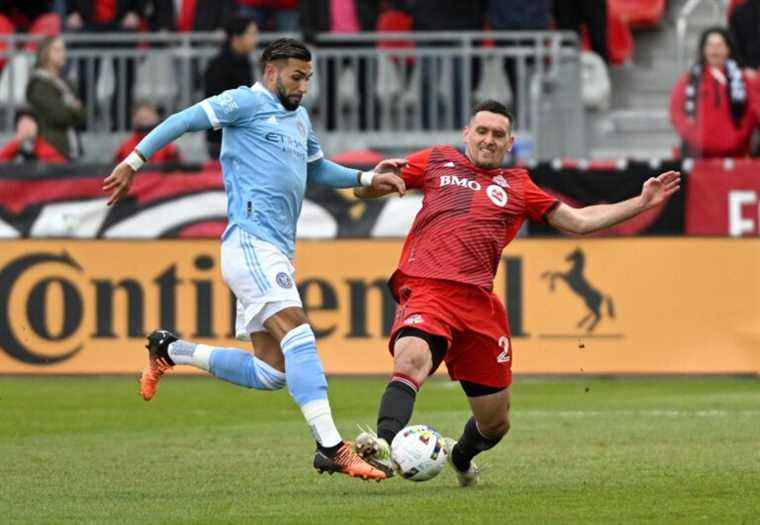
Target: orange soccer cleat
{"x":159,"y":362}
{"x":346,"y":461}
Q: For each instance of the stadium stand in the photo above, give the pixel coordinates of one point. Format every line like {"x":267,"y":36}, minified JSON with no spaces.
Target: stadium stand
{"x":6,"y":28}
{"x":626,"y":102}
{"x":640,"y":13}
{"x":638,"y":124}
{"x":45,"y":25}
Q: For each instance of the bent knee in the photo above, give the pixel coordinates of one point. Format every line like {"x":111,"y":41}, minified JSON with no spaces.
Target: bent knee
{"x":412,"y":365}
{"x":496,"y":428}
{"x":412,"y":360}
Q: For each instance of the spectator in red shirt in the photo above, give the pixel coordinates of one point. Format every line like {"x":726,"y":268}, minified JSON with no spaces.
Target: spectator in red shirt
{"x":145,"y":118}
{"x":711,"y":104}
{"x":27,"y":146}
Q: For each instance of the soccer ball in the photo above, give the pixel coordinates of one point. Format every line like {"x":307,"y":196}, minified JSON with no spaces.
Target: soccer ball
{"x":418,"y":453}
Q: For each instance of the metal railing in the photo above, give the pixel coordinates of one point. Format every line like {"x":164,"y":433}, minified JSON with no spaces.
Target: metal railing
{"x":369,"y":90}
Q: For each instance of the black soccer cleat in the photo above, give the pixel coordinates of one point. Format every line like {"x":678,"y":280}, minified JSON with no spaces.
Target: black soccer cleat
{"x":158,"y":345}
{"x":159,"y":362}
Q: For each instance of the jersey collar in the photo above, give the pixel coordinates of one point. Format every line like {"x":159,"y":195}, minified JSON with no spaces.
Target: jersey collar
{"x":258,"y":87}
{"x":490,"y":172}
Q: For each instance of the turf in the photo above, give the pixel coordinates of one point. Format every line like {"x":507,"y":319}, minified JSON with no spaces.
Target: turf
{"x":582,"y":450}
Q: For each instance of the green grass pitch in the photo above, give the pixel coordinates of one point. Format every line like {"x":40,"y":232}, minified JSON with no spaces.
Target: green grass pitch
{"x":89,"y":450}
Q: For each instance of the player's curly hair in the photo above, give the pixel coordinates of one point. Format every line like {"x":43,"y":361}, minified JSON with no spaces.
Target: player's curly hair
{"x":284,"y":48}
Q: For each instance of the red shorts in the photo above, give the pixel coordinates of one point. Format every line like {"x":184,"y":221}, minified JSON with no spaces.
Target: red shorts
{"x":473,"y":322}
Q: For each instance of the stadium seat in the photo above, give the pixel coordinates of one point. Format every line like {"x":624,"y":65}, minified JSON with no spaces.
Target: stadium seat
{"x":13,"y":80}
{"x":6,"y":28}
{"x":596,"y":88}
{"x":639,"y":13}
{"x":395,"y":22}
{"x":494,"y":84}
{"x":44,"y":26}
{"x":347,"y":87}
{"x":619,"y":37}
{"x":442,"y":78}
{"x":389,"y":82}
{"x":156,"y":79}
{"x":409,"y":101}
{"x":105,"y":84}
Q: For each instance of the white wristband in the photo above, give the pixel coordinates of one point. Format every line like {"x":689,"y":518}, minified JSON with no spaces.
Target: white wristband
{"x":134,"y":161}
{"x":365,"y":179}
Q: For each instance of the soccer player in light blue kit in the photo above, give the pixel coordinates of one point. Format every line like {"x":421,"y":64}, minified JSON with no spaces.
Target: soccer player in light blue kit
{"x":269,"y":151}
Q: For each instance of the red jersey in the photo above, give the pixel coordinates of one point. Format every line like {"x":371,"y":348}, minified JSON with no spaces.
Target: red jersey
{"x":468,"y":216}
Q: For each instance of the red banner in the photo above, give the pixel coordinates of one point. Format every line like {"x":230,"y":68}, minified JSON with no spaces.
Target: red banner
{"x":723,"y":198}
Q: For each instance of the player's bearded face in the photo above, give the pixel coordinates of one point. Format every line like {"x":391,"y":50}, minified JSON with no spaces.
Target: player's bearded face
{"x":487,"y":139}
{"x":292,"y":83}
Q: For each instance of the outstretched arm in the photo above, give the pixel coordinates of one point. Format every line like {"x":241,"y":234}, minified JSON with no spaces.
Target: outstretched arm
{"x":384,"y":177}
{"x":586,"y":220}
{"x":411,"y":171}
{"x":118,"y":182}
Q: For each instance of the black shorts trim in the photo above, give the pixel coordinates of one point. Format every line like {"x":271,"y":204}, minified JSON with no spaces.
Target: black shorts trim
{"x":478,"y":390}
{"x":436,"y":343}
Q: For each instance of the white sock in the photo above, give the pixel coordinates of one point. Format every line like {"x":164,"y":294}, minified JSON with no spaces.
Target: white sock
{"x":189,"y":353}
{"x":319,"y":418}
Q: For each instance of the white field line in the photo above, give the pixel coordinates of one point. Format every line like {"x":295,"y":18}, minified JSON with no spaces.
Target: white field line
{"x":635,"y":413}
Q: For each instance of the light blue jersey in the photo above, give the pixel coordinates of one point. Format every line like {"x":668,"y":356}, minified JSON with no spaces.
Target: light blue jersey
{"x":267,"y":154}
{"x":265,"y":150}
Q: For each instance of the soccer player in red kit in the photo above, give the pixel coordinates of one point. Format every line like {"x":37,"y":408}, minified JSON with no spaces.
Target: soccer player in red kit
{"x":447,"y":311}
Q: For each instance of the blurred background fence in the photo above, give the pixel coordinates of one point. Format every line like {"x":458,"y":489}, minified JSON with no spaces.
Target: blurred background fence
{"x":381,"y":90}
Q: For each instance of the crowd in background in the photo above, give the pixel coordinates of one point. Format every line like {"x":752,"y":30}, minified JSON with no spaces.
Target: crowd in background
{"x":714,"y":106}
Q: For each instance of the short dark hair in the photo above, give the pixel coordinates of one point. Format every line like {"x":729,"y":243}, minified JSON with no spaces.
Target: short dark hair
{"x":492,"y":106}
{"x":236,"y":26}
{"x":23,"y":112}
{"x":284,"y":48}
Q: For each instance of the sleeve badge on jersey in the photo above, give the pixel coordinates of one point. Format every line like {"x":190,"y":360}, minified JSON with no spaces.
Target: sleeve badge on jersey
{"x":227,"y":102}
{"x":414,"y":319}
{"x":284,"y":280}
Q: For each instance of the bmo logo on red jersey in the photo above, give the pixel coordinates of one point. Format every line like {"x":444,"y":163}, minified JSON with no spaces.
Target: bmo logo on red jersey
{"x":497,"y":194}
{"x":453,"y":180}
